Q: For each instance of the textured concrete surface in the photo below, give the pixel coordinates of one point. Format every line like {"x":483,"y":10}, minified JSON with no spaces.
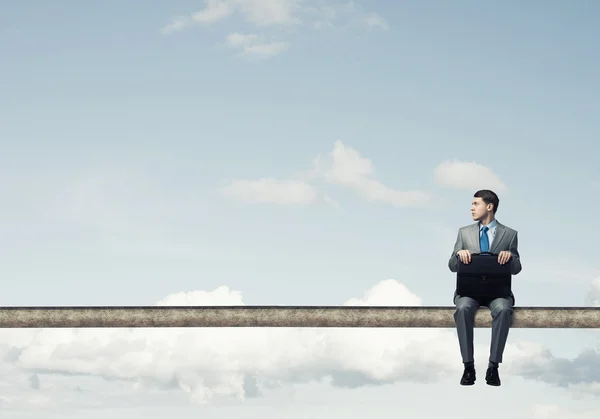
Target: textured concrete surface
{"x":282,"y":316}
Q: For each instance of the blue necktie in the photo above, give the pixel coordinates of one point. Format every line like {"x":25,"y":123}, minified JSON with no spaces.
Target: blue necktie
{"x":484,"y":242}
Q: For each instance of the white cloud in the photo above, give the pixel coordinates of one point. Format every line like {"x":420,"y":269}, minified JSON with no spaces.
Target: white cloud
{"x":176,"y":23}
{"x":237,"y":39}
{"x":270,"y":12}
{"x":593,"y":296}
{"x":276,"y":15}
{"x":375,"y":20}
{"x":552,"y":411}
{"x":254,"y":45}
{"x":467,"y":175}
{"x":257,"y":12}
{"x":343,"y":15}
{"x":349,"y":169}
{"x":214,"y":11}
{"x":212,"y":363}
{"x":343,"y":167}
{"x":331,"y":202}
{"x":273,"y":191}
{"x":265,"y":50}
{"x":581,"y":374}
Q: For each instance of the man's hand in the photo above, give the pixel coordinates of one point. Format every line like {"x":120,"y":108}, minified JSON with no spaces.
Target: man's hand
{"x":504,"y":256}
{"x":464,"y":255}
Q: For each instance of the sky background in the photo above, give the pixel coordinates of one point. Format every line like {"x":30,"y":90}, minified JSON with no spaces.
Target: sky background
{"x":298,"y":153}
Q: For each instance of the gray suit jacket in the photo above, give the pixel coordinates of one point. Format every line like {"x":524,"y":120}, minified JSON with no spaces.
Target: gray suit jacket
{"x":505,"y":239}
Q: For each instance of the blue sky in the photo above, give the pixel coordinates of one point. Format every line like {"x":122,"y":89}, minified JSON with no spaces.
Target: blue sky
{"x":156,"y":148}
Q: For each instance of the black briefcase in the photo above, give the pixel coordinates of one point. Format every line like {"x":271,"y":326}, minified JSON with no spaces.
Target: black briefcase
{"x":484,"y":277}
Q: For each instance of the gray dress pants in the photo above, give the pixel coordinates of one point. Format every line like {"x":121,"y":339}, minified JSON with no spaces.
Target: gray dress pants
{"x":501,"y":310}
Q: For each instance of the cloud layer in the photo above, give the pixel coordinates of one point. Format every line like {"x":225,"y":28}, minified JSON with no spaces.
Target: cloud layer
{"x":274,"y":18}
{"x":212,"y":363}
{"x":346,"y":168}
{"x":349,"y":169}
{"x":343,"y":167}
{"x":467,"y":175}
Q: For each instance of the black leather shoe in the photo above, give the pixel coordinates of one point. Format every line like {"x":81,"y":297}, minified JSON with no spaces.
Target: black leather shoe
{"x":468,"y":378}
{"x":491,"y":376}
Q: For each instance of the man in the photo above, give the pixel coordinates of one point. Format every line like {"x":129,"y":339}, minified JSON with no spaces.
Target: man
{"x":486,"y":235}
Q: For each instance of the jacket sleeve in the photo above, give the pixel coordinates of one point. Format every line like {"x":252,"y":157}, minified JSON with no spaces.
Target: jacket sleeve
{"x":453,"y":262}
{"x":515,"y":259}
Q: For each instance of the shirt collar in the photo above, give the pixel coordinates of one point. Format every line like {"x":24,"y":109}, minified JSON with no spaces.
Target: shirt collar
{"x":490,"y":226}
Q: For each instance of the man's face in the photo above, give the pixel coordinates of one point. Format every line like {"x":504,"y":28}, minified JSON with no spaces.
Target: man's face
{"x":479,"y":209}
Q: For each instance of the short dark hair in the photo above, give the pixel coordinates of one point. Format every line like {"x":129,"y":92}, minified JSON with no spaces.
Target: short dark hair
{"x":489,"y":197}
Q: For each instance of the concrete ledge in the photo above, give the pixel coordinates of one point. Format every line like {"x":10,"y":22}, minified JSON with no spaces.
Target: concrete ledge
{"x":285,"y":316}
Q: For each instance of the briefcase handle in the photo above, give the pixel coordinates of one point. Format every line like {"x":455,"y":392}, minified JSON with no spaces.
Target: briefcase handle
{"x":483,"y":254}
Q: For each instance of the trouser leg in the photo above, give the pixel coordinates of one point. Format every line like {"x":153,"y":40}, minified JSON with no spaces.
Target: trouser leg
{"x":464,"y":317}
{"x":501,"y":310}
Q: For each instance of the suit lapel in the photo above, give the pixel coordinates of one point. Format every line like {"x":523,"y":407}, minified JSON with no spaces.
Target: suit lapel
{"x":500,"y":231}
{"x":475,"y":237}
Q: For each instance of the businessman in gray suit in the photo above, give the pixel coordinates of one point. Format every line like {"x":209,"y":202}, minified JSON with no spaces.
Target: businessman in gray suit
{"x":487,"y":234}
